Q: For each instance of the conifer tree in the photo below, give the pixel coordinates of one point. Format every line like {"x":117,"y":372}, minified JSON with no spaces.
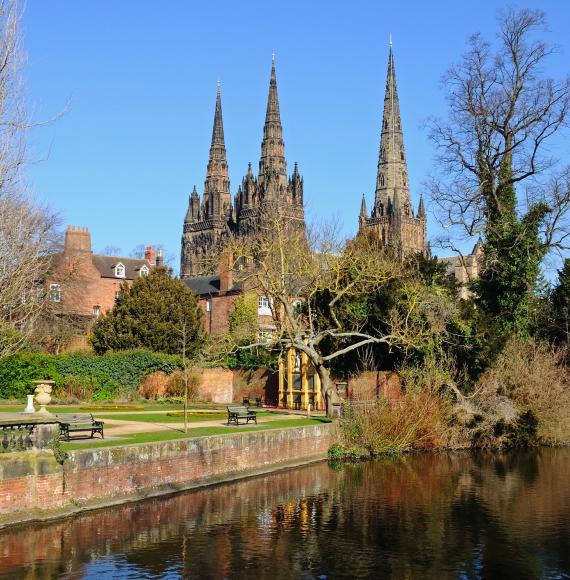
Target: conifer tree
{"x":157,"y":312}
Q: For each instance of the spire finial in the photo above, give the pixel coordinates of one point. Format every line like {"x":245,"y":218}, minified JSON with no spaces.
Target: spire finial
{"x":273,"y":56}
{"x":390,"y":39}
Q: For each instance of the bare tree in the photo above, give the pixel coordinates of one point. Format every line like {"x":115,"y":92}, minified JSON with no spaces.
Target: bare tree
{"x":27,"y":230}
{"x":291,"y":267}
{"x":503,"y":112}
{"x":110,"y":250}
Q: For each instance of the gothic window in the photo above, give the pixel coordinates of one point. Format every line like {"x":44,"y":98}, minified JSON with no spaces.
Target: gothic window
{"x":120,"y":270}
{"x":402,"y":154}
{"x":381,"y":180}
{"x":96,"y":311}
{"x":381,"y":208}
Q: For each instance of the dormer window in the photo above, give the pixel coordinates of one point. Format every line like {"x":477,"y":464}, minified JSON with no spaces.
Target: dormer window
{"x":143,"y":271}
{"x":119,"y":270}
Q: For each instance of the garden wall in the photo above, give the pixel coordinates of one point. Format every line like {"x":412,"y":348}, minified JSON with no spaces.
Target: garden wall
{"x":373,"y":384}
{"x":34,"y":486}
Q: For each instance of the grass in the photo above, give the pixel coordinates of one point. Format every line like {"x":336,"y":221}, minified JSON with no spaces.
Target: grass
{"x":195,"y":432}
{"x":164,"y":418}
{"x":16,"y":408}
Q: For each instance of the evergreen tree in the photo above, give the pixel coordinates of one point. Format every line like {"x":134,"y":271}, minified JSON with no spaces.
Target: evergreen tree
{"x":157,"y":312}
{"x":561,"y":304}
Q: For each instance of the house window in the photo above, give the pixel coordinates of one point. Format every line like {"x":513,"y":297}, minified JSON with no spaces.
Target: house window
{"x":143,"y":271}
{"x":96,"y":311}
{"x":265,"y":336}
{"x":120,"y":270}
{"x":264,"y":306}
{"x":55,"y":292}
{"x":209,"y":305}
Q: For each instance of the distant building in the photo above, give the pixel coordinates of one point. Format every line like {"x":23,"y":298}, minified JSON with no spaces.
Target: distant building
{"x":216,"y":295}
{"x":465,"y":269}
{"x":87,"y":284}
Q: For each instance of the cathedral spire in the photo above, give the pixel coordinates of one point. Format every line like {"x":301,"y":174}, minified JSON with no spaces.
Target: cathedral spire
{"x":421,"y":209}
{"x":216,"y":199}
{"x":392,"y":173}
{"x":272,"y":146}
{"x":363,"y":210}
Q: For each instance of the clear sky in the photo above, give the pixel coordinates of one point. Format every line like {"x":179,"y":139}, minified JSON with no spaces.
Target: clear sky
{"x":137,"y":81}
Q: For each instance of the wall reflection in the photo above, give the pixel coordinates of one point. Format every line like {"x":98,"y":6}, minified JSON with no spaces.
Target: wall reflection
{"x":440,"y":515}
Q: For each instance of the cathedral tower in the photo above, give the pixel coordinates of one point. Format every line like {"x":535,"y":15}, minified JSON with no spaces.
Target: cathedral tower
{"x":392,"y":214}
{"x":207,"y":222}
{"x":271,"y":187}
{"x":212,"y":219}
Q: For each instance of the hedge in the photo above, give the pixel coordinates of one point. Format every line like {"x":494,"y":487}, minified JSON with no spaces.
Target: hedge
{"x":108,"y":373}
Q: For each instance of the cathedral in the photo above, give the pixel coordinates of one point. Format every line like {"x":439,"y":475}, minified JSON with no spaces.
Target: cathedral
{"x":212,"y":218}
{"x":392,"y":217}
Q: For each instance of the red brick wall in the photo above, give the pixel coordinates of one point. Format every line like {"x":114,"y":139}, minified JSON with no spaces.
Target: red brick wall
{"x":216,"y":385}
{"x":372,"y":384}
{"x":105,"y":475}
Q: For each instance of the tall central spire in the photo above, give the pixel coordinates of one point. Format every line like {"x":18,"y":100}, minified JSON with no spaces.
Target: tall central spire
{"x":216,"y":200}
{"x":272,"y":146}
{"x":392,"y":176}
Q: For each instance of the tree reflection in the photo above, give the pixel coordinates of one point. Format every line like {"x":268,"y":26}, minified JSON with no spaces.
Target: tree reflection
{"x":446,"y":516}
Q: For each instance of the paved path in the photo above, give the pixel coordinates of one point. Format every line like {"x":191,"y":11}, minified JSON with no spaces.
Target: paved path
{"x":118,"y":427}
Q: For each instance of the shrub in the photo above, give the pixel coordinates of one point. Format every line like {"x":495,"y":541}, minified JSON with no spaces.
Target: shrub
{"x":417,"y":420}
{"x":525,"y":395}
{"x":104,"y":378}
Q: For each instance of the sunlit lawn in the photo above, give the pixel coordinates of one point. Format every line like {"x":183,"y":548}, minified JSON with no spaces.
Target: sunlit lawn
{"x":164,"y":418}
{"x":194,"y":432}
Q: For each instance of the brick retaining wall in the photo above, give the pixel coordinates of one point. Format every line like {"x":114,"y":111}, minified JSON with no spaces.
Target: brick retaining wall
{"x":34,"y":486}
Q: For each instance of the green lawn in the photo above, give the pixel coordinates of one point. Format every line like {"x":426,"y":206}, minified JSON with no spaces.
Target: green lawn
{"x":164,"y":418}
{"x":78,"y":409}
{"x":195,"y":432}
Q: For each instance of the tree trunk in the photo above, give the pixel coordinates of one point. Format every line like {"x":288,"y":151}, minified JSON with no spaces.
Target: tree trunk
{"x":331,"y":396}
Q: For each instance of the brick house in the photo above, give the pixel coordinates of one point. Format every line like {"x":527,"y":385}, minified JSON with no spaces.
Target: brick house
{"x":216,"y":294}
{"x":85,"y":284}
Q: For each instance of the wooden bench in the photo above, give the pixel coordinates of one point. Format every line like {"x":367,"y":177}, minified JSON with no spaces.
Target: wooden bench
{"x":235,"y":414}
{"x":79,"y":423}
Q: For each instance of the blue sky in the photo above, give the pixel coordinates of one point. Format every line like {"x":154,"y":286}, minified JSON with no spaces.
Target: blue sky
{"x":137,"y":82}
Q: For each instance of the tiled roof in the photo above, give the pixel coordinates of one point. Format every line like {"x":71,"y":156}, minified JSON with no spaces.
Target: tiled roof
{"x":106,"y":266}
{"x":206,"y":285}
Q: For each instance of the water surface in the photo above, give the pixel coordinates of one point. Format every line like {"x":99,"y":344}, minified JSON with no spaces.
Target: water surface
{"x":431,"y":516}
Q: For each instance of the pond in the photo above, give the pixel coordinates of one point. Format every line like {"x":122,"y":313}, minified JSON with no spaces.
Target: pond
{"x":483,"y":515}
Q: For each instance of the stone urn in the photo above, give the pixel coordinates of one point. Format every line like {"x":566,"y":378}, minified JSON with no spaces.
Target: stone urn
{"x":43,"y":395}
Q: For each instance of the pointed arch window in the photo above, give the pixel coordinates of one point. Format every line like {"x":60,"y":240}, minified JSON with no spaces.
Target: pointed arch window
{"x":381,"y":180}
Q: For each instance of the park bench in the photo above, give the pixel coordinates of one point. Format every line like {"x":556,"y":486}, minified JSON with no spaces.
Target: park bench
{"x":251,"y":400}
{"x":235,"y":414}
{"x":79,"y":423}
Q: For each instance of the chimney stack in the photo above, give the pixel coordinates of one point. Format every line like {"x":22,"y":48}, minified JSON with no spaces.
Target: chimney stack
{"x":77,"y":240}
{"x":149,"y":254}
{"x":159,"y":258}
{"x":226,"y":274}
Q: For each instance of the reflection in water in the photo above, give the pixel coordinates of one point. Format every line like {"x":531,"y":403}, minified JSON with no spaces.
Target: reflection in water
{"x":430,"y":516}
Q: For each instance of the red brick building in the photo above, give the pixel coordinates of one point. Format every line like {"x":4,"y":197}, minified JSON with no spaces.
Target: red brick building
{"x":87,"y":284}
{"x":217,"y":294}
